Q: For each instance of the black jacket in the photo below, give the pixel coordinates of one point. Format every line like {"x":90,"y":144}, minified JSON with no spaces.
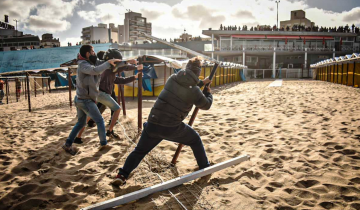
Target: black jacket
{"x":177,"y":99}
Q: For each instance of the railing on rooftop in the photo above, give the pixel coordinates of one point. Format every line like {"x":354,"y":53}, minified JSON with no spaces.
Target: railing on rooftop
{"x":172,"y":53}
{"x":286,"y":48}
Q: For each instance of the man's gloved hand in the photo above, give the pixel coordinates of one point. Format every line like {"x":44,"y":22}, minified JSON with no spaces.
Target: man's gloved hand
{"x":207,"y":90}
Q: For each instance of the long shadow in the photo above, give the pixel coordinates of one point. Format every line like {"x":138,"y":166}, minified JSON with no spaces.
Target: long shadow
{"x":39,"y":182}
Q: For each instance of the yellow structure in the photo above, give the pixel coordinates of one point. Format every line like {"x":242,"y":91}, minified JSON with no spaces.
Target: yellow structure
{"x":343,"y":70}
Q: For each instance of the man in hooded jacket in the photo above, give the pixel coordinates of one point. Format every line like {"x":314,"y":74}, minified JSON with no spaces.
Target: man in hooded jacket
{"x":175,"y":101}
{"x":87,"y":91}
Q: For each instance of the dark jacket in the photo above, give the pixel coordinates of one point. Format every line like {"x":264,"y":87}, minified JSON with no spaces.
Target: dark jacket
{"x":109,"y":78}
{"x":177,"y":99}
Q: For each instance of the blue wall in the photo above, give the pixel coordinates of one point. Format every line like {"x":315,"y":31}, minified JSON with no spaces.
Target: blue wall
{"x":40,"y":58}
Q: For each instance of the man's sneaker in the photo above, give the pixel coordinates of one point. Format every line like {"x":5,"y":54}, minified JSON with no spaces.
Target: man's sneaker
{"x":91,"y":123}
{"x":69,"y":150}
{"x":119,"y":180}
{"x":111,"y":133}
{"x":78,"y":141}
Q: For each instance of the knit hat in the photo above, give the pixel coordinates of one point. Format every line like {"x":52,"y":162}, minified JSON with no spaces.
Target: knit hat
{"x":194,"y":65}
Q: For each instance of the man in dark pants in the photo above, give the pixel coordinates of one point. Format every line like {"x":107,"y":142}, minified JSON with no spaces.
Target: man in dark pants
{"x":165,"y":119}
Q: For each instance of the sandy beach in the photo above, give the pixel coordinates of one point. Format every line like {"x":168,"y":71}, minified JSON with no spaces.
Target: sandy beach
{"x":303,"y":139}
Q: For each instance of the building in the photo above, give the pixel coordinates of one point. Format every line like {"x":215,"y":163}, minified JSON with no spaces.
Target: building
{"x":134,"y":24}
{"x":25,"y":42}
{"x":48,"y":41}
{"x":297,"y":18}
{"x":268,"y":49}
{"x":184,"y":37}
{"x":95,"y":34}
{"x":12,"y":39}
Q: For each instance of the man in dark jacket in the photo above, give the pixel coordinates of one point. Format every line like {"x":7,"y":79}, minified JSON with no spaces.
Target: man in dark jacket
{"x":165,"y":119}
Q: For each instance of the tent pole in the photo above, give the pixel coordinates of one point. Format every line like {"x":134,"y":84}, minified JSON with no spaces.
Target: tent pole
{"x":6,"y":89}
{"x":49,"y":81}
{"x":28,"y":90}
{"x":165,"y":73}
{"x":25,"y":93}
{"x":69,"y":84}
{"x":42,"y":83}
{"x":121,"y":91}
{"x":134,"y":87}
{"x":140,"y":96}
{"x":35,"y":86}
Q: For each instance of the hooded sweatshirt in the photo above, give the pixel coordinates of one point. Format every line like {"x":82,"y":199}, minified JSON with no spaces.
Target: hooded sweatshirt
{"x":88,"y":78}
{"x":177,"y":98}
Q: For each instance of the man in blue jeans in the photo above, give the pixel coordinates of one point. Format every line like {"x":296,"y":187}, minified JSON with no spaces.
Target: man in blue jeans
{"x":87,"y":91}
{"x":175,"y":101}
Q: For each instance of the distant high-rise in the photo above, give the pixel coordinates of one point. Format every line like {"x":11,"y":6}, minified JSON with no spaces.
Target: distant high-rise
{"x":134,"y":23}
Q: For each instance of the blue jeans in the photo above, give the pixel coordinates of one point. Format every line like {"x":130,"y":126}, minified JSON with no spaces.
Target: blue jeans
{"x":107,"y":101}
{"x":86,"y":107}
{"x":153,"y":134}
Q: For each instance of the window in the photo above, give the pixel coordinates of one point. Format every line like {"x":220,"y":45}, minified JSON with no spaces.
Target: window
{"x":207,"y":47}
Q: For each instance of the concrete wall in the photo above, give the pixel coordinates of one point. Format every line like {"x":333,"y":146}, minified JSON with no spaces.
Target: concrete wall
{"x":100,"y":33}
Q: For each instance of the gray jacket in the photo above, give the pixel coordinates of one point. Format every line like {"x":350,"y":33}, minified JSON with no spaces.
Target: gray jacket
{"x":177,"y":99}
{"x":88,"y":78}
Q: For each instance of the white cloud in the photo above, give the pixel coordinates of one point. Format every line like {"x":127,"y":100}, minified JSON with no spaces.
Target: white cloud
{"x":45,"y":12}
{"x":88,"y":15}
{"x":39,"y":23}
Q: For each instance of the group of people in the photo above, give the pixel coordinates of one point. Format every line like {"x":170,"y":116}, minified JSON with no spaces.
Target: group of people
{"x":344,"y":29}
{"x":95,"y":83}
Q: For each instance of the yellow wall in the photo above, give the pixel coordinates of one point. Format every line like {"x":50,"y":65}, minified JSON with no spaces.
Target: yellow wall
{"x":344,"y":76}
{"x":339,"y":74}
{"x":350,"y":77}
{"x":357,"y":75}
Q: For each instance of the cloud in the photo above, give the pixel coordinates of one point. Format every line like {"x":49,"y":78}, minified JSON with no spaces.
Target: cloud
{"x":177,"y":13}
{"x":36,"y":15}
{"x":88,"y":15}
{"x":353,"y":15}
{"x":244,"y":14}
{"x":150,"y":15}
{"x":37,"y":23}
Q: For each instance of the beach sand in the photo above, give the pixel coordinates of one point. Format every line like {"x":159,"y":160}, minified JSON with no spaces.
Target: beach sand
{"x":303,"y":139}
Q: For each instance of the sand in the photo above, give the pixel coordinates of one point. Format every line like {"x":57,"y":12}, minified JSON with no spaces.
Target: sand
{"x":303,"y":139}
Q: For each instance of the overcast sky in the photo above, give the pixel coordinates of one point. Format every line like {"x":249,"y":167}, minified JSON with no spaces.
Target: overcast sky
{"x":65,"y":18}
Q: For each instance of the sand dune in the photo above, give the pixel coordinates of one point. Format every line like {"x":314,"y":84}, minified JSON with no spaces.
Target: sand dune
{"x":303,"y":139}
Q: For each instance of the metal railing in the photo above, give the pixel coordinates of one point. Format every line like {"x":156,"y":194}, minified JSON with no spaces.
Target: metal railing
{"x":172,"y":53}
{"x":286,"y":48}
{"x":280,"y":73}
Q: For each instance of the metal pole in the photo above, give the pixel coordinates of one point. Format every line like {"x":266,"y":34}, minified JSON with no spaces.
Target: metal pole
{"x":122,"y":98}
{"x":28,"y":90}
{"x":35,"y":86}
{"x":42,"y":83}
{"x":153,"y":87}
{"x":193,"y":116}
{"x":134,"y":87}
{"x":49,"y":81}
{"x":16,"y":94}
{"x":165,"y":74}
{"x":25,"y":88}
{"x":6,"y":89}
{"x":140,"y":96}
{"x":69,"y":84}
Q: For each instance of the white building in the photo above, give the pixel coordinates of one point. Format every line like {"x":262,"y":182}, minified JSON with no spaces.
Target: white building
{"x":95,"y":34}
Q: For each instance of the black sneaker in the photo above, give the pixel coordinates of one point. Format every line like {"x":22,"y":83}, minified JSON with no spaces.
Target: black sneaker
{"x":78,"y":141}
{"x":120,"y":180}
{"x":111,"y":133}
{"x":91,"y":123}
